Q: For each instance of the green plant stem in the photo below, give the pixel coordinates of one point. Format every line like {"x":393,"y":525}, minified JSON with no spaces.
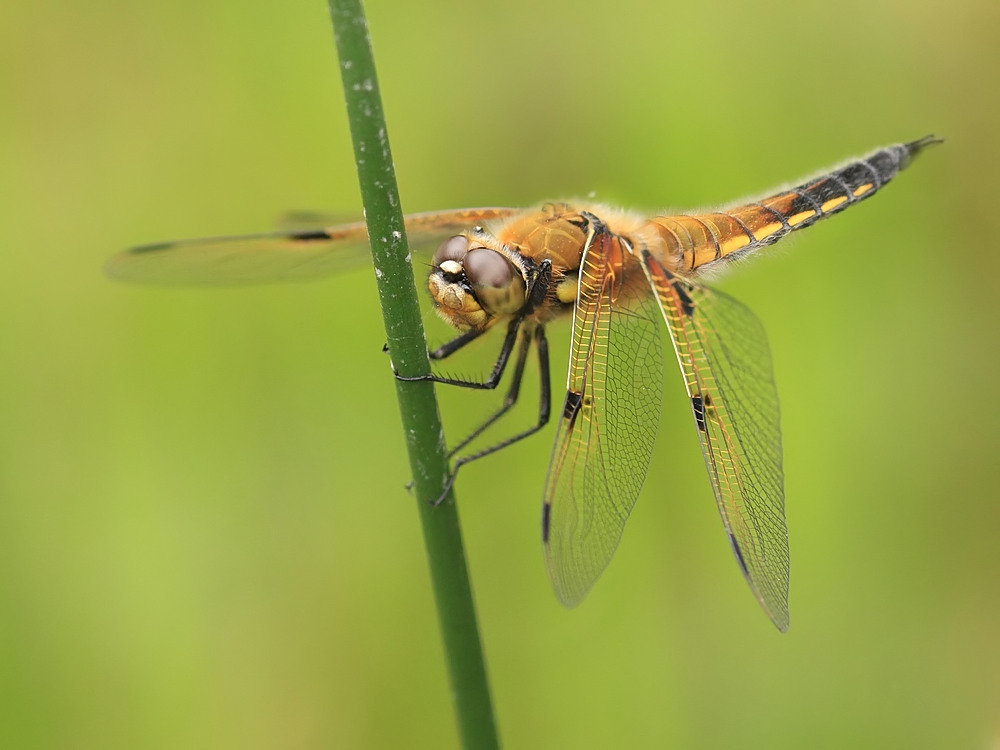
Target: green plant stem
{"x":418,"y":406}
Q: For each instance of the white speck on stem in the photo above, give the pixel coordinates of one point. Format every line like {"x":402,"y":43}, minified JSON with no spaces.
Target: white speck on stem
{"x":396,"y":234}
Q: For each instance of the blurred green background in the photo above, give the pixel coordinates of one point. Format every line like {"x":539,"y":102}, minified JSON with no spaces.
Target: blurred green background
{"x":204,"y":536}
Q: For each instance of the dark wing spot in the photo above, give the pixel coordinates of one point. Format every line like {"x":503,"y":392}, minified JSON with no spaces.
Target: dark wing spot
{"x":572,"y":406}
{"x":310,"y":236}
{"x":546,"y":516}
{"x":698,"y":404}
{"x":710,"y":412}
{"x":739,"y":556}
{"x":687,"y":304}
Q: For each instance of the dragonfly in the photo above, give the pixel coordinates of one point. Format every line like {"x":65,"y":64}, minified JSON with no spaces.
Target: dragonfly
{"x":617,"y":274}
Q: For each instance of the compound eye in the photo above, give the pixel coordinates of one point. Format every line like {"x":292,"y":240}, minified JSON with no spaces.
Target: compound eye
{"x":486,"y":267}
{"x":498,"y":285}
{"x":452,"y":249}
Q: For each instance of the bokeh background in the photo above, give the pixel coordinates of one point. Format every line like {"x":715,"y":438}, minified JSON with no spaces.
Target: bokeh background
{"x":205,"y":540}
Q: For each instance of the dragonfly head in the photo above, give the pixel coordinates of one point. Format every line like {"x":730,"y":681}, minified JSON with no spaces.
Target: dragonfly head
{"x":475,"y":280}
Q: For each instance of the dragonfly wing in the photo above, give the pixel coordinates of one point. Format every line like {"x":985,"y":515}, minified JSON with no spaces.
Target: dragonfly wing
{"x":281,"y":256}
{"x":608,"y":425}
{"x":735,"y":405}
{"x":244,"y":259}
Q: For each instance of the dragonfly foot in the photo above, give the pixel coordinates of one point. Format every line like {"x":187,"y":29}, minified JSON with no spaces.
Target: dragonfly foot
{"x":411,"y":378}
{"x":447,"y":488}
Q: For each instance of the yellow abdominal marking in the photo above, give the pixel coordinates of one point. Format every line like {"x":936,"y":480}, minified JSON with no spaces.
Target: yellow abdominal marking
{"x":833,"y":203}
{"x":800,"y":217}
{"x":863,"y":189}
{"x":767,"y":230}
{"x":735,"y":243}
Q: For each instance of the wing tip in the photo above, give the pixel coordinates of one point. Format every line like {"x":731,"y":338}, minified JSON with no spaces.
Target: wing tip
{"x":569,"y":598}
{"x":568,"y":592}
{"x":777,"y":614}
{"x":780,"y":619}
{"x":116,"y":266}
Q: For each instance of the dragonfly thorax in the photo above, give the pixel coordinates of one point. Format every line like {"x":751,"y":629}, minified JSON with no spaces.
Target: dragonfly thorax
{"x":472,"y":283}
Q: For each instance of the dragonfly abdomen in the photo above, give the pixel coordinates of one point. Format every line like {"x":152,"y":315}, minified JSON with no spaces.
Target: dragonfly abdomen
{"x":698,"y":241}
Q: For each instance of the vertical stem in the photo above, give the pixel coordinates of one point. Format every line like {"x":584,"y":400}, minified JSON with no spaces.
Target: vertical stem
{"x":418,"y":406}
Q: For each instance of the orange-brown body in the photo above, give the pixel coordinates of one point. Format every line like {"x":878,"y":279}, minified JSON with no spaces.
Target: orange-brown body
{"x":621,"y":275}
{"x":685,"y":244}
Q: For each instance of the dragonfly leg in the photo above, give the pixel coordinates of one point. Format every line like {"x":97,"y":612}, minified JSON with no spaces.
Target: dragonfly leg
{"x":457,"y":343}
{"x":509,"y":400}
{"x":544,"y":409}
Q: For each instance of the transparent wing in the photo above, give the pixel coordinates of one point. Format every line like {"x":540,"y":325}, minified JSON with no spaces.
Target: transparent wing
{"x":281,"y":256}
{"x":723,"y":354}
{"x":605,"y":436}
